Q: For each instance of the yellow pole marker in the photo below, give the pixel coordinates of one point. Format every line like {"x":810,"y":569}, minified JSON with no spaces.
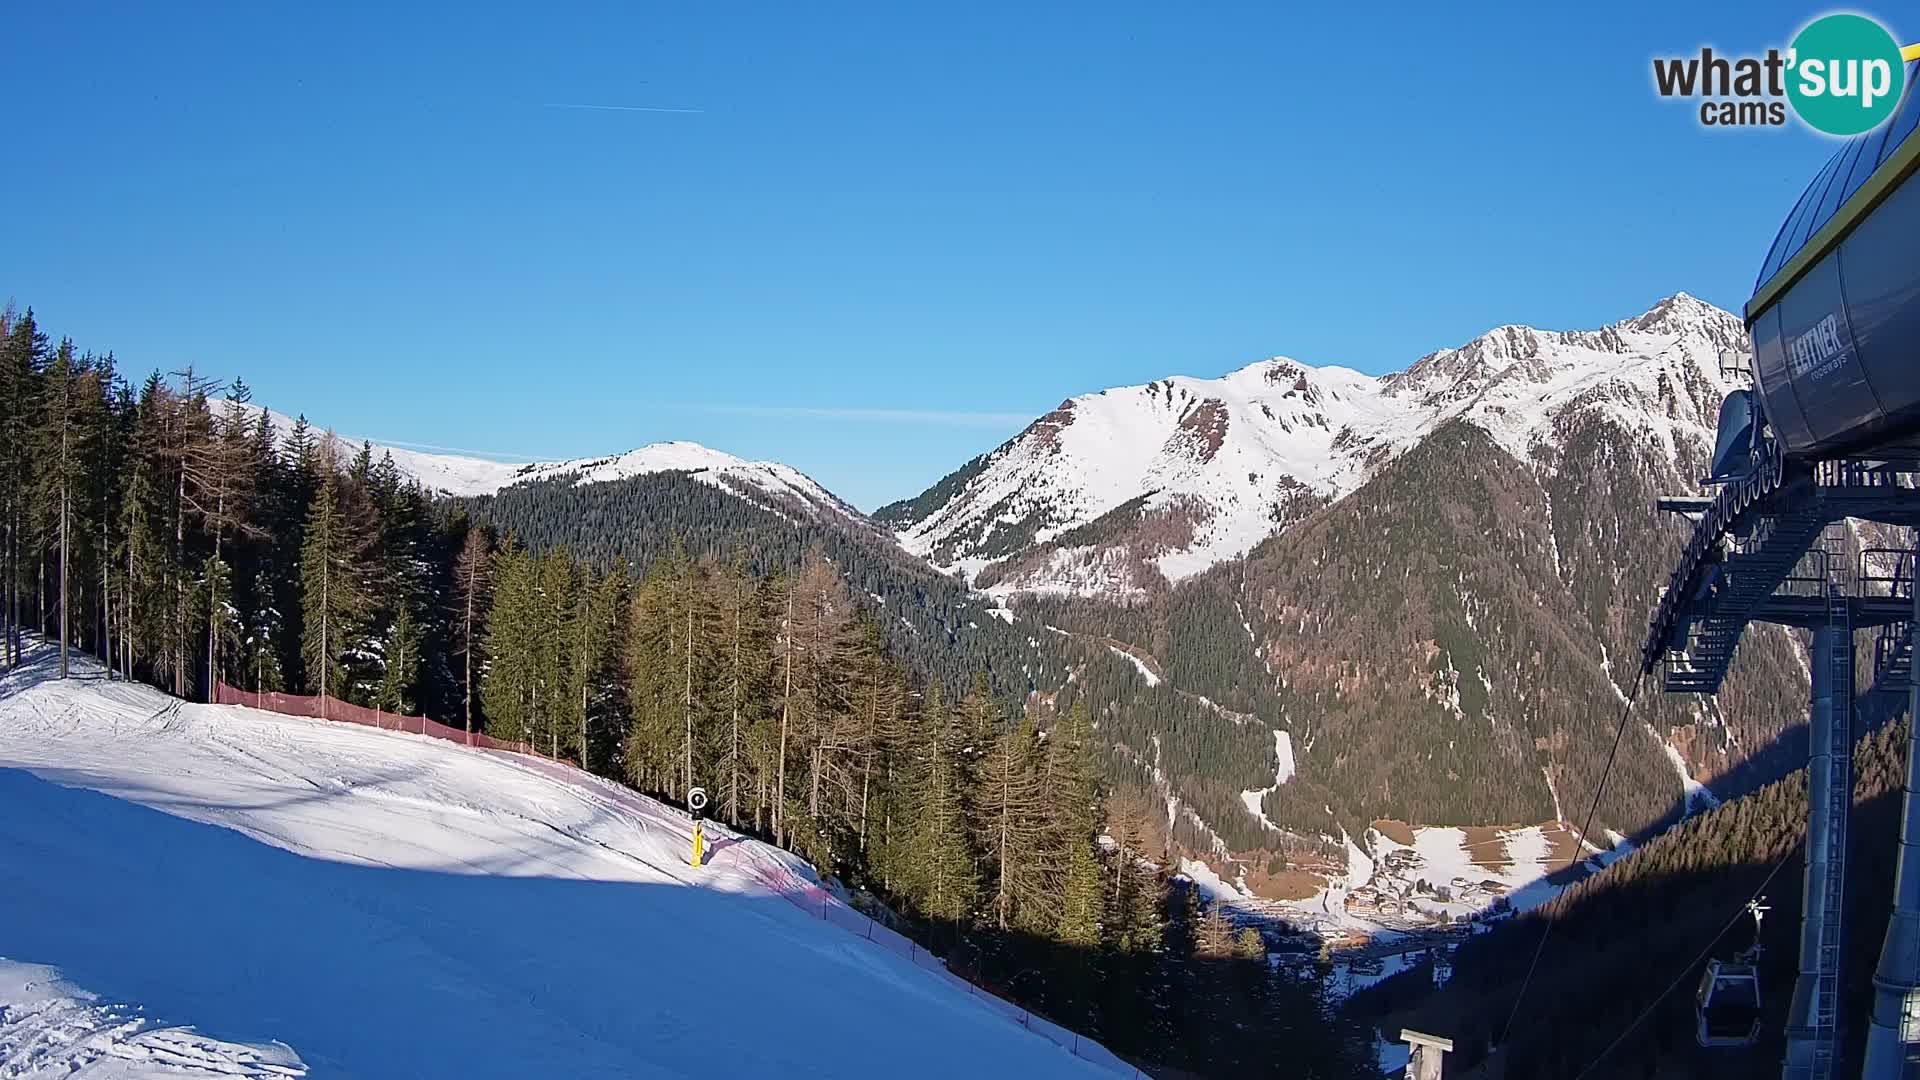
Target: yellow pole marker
{"x":699,"y":843}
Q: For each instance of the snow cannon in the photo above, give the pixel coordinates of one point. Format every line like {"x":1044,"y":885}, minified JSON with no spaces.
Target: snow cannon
{"x":696,"y":804}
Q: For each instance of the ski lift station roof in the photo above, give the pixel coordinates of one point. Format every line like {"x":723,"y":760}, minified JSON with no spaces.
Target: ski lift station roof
{"x":1834,"y":317}
{"x":1834,"y":187}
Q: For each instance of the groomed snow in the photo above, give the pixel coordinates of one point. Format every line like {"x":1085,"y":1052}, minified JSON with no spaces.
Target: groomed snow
{"x":389,"y":905}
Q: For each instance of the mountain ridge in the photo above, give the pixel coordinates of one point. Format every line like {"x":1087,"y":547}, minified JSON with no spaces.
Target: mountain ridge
{"x":1219,"y":465}
{"x":1249,"y":592}
{"x":770,"y":484}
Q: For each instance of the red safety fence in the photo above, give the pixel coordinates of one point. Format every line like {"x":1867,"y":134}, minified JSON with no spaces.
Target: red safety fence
{"x":806,"y":895}
{"x":332,"y":708}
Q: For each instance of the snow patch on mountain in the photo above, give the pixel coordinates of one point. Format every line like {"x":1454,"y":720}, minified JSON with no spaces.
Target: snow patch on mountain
{"x":1697,"y":795}
{"x":1282,"y":772}
{"x":1139,"y":664}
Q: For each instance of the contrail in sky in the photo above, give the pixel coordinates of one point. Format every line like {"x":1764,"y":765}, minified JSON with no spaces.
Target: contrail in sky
{"x":509,"y":455}
{"x":948,"y":417}
{"x":620,"y":108}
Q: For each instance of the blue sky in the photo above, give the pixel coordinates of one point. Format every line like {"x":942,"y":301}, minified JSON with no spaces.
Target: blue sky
{"x":889,"y":233}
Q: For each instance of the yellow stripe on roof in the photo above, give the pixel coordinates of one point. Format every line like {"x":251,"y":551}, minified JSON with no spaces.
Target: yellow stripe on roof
{"x":1911,"y":52}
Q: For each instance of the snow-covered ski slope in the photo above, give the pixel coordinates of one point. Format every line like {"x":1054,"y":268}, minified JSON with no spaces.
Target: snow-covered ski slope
{"x":51,"y":1028}
{"x":386,"y":905}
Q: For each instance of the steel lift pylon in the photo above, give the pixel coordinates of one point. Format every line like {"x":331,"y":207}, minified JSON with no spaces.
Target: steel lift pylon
{"x":1772,"y":548}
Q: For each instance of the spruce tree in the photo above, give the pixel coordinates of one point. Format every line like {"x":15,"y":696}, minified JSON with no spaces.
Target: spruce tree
{"x":332,"y":583}
{"x":1077,"y":779}
{"x":743,"y":652}
{"x":508,"y":685}
{"x":109,"y":415}
{"x":1138,"y":897}
{"x":25,"y":348}
{"x":1012,"y":807}
{"x":559,"y":646}
{"x":820,"y":730}
{"x":471,"y":581}
{"x":943,"y":864}
{"x":605,"y":634}
{"x":260,"y":664}
{"x":62,"y":446}
{"x":400,"y":681}
{"x":222,"y":619}
{"x":878,"y":701}
{"x":153,"y":560}
{"x":656,"y":675}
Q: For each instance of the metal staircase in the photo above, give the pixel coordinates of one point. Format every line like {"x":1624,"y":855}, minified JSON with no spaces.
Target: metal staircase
{"x":1893,"y":647}
{"x":1746,"y":578}
{"x":1772,"y":547}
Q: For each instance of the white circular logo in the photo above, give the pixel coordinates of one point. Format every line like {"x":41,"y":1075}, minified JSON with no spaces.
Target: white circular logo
{"x":697,"y":799}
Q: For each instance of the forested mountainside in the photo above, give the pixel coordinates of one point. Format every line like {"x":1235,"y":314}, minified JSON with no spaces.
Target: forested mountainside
{"x":1163,"y":742}
{"x":1446,"y":607}
{"x":1513,"y":496}
{"x":183,"y":539}
{"x":1446,"y":642}
{"x":1620,"y":938}
{"x":940,"y":628}
{"x":1438,"y":655}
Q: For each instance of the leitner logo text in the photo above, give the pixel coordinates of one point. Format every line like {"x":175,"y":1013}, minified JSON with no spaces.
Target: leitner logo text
{"x":1816,"y":353}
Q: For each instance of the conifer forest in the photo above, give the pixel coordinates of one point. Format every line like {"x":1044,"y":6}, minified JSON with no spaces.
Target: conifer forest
{"x":164,"y":525}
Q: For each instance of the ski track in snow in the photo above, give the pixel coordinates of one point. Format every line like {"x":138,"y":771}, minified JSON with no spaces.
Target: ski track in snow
{"x":51,"y":1028}
{"x":391,"y":905}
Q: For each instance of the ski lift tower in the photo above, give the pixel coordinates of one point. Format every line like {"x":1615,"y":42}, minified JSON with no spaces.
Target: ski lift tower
{"x":1827,"y":429}
{"x":1772,"y":548}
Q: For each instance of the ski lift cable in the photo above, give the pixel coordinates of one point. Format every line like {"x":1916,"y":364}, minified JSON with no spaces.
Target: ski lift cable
{"x":1619,"y":732}
{"x":1687,"y":970}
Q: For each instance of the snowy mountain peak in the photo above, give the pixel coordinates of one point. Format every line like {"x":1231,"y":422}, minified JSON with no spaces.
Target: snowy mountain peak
{"x":1523,"y":353}
{"x":766,"y":483}
{"x":1116,"y":489}
{"x":769,"y":483}
{"x":1679,"y":312}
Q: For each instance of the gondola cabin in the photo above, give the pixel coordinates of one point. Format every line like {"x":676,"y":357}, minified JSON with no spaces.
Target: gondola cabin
{"x":1727,"y":1005}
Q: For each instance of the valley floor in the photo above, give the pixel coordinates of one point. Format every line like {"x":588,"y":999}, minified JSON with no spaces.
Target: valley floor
{"x":311,"y":896}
